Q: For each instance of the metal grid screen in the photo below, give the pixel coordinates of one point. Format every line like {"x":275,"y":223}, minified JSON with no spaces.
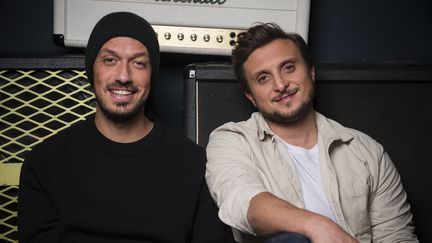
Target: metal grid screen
{"x":34,"y":105}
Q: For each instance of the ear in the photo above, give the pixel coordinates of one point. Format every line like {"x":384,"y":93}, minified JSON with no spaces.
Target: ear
{"x":250,"y":98}
{"x":312,"y":74}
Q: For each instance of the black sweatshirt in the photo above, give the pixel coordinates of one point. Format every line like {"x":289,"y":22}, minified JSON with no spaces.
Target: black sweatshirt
{"x":80,"y":187}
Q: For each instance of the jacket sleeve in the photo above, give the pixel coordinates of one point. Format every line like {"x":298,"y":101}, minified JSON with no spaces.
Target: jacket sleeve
{"x":37,"y":217}
{"x":232,"y":177}
{"x":389,"y":210}
{"x":207,"y":225}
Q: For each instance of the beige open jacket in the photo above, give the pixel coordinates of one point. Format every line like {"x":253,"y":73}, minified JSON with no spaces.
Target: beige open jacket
{"x":360,"y":181}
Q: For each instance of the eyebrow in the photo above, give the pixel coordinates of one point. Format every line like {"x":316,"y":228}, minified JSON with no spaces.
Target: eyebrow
{"x":114,"y":53}
{"x":289,"y":60}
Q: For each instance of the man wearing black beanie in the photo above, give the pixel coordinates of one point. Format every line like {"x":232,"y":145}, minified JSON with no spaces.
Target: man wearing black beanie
{"x":119,"y":176}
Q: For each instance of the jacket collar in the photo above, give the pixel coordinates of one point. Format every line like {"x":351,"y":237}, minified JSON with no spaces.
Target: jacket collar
{"x":263,"y":128}
{"x":329,"y":129}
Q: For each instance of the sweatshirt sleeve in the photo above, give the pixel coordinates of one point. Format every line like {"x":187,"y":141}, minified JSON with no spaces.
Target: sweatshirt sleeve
{"x":207,"y":225}
{"x":37,"y":217}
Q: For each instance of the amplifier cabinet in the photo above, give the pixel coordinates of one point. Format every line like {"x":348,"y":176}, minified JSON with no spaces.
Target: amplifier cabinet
{"x":212,"y":97}
{"x":391,"y":103}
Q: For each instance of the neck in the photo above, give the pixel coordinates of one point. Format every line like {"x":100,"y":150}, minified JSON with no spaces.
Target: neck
{"x":133,"y":130}
{"x":302,"y":133}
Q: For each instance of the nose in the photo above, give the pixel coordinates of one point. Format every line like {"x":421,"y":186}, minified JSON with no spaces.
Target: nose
{"x":123,"y":72}
{"x":279,"y":83}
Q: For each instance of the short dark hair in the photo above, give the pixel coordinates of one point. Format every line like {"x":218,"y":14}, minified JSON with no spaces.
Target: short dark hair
{"x":257,"y":36}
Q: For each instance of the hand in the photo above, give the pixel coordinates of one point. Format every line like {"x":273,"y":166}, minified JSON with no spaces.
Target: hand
{"x":323,"y":230}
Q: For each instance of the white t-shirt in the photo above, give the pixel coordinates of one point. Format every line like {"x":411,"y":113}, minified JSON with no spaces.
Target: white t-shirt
{"x":308,"y":170}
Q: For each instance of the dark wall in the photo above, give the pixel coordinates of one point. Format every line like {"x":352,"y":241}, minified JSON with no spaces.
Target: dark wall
{"x":27,"y":28}
{"x":371,"y":31}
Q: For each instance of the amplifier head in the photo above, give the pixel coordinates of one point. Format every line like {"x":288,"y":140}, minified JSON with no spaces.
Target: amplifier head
{"x":196,"y":27}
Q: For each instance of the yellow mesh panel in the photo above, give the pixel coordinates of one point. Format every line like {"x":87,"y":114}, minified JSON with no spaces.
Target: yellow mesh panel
{"x":34,"y":105}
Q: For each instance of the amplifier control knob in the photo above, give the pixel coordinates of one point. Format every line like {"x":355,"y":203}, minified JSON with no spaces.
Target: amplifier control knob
{"x":206,"y":38}
{"x":180,"y":36}
{"x":219,"y":38}
{"x":167,"y":35}
{"x":193,"y":37}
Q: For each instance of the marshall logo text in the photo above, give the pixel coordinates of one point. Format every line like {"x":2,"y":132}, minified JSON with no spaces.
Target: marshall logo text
{"x":213,"y":2}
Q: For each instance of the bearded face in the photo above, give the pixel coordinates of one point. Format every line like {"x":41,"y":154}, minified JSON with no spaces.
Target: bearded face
{"x":280,"y":83}
{"x":122,"y":74}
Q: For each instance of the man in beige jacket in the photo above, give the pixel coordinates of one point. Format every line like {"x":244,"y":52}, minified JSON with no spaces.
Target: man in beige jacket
{"x":289,"y":168}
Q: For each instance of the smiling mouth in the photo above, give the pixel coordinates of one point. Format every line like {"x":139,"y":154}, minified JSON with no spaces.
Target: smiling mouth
{"x":121,"y":92}
{"x":285,"y":95}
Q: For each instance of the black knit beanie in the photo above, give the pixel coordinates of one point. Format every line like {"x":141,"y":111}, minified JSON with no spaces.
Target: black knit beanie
{"x":122,"y":24}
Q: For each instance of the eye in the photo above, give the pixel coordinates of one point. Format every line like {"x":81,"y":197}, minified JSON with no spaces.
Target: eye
{"x":263,"y":78}
{"x":108,"y":60}
{"x":142,"y":64}
{"x":289,"y":67}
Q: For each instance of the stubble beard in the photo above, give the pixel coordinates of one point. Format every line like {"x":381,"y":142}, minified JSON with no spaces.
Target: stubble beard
{"x":119,"y":114}
{"x":293,"y":117}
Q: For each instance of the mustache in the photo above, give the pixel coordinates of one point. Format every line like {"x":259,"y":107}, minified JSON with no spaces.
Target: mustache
{"x":129,"y":86}
{"x":287,"y":92}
